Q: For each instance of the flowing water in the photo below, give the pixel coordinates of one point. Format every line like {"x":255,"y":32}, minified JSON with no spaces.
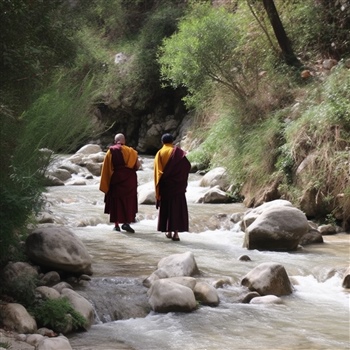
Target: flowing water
{"x":315,"y":316}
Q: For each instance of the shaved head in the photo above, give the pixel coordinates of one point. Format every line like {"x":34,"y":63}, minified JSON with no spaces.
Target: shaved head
{"x":119,"y":138}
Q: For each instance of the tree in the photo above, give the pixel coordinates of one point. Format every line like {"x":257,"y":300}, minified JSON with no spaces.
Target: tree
{"x":204,"y":50}
{"x":281,"y":36}
{"x":280,"y":33}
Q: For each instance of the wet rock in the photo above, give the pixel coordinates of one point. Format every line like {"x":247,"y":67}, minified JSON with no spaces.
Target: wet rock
{"x":244,"y":258}
{"x":168,"y":296}
{"x":346,"y":279}
{"x":268,"y":278}
{"x":58,"y":248}
{"x":206,"y":294}
{"x":81,"y":305}
{"x":215,"y":195}
{"x":311,"y":237}
{"x":277,"y":229}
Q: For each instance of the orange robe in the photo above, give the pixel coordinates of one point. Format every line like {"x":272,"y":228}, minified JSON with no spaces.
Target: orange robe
{"x":171,"y":170}
{"x":119,"y":183}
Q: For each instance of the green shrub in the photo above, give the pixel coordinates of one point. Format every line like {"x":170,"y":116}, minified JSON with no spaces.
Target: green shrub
{"x":322,"y":135}
{"x":21,"y":289}
{"x":204,"y":48}
{"x":5,"y":345}
{"x":57,"y":314}
{"x":60,"y":119}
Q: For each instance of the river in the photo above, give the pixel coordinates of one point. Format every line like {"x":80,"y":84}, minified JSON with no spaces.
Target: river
{"x":314,"y":316}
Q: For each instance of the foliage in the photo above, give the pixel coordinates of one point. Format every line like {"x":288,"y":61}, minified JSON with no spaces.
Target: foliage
{"x":60,"y":119}
{"x":56,"y":314}
{"x":5,"y":345}
{"x":204,"y":48}
{"x":21,"y":289}
{"x":33,"y":41}
{"x":161,"y":24}
{"x":319,"y":140}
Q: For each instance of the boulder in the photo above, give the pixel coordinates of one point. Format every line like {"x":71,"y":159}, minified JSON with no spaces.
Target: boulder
{"x":94,"y":168}
{"x":58,"y":248}
{"x":168,"y":296}
{"x":96,"y":157}
{"x":50,"y":278}
{"x":311,"y":237}
{"x":61,"y":174}
{"x":327,"y":229}
{"x":277,"y":229}
{"x":182,"y":264}
{"x":61,"y":285}
{"x":268,"y":278}
{"x":146,"y":193}
{"x":69,"y":166}
{"x":214,"y":195}
{"x":81,"y":305}
{"x":346,"y":279}
{"x":266,"y":299}
{"x":17,"y":270}
{"x":215,"y":177}
{"x":47,"y":293}
{"x":175,"y":265}
{"x":89,"y":149}
{"x":57,"y":343}
{"x":189,"y":282}
{"x":206,"y":294}
{"x":34,"y":339}
{"x":15,"y":317}
{"x":52,"y":181}
{"x":252,"y":214}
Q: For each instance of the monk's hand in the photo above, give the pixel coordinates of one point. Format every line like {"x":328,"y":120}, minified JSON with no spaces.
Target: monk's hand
{"x":157,"y":204}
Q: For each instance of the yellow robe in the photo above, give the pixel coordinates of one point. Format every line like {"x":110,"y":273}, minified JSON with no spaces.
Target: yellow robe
{"x":130,"y":158}
{"x":160,"y":161}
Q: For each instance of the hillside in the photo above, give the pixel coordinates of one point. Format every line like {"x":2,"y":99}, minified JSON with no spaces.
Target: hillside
{"x":266,"y":90}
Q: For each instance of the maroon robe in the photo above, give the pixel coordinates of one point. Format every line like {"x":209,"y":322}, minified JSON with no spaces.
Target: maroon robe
{"x":173,"y":212}
{"x":121,"y":199}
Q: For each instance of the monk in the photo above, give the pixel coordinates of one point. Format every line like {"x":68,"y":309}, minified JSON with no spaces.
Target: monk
{"x":119,"y":183}
{"x":171,"y":170}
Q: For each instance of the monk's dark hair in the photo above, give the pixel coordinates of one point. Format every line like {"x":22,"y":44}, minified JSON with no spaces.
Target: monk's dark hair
{"x":167,"y":138}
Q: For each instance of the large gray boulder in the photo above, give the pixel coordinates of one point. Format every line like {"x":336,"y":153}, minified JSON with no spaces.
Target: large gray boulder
{"x":268,"y":278}
{"x":252,"y":214}
{"x":146,"y":193}
{"x":175,"y":265}
{"x":16,"y":318}
{"x":182,"y":264}
{"x":58,"y":248}
{"x":166,"y":295}
{"x":277,"y":229}
{"x":215,"y":177}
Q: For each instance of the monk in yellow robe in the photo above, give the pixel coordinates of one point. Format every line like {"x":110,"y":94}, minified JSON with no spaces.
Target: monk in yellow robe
{"x":119,"y":183}
{"x":171,"y":170}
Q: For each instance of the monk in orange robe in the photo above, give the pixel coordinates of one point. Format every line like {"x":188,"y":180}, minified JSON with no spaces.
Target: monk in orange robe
{"x":171,"y":170}
{"x":119,"y":183}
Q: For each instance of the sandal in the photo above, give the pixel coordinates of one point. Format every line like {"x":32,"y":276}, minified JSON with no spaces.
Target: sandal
{"x":175,"y":238}
{"x":168,"y":235}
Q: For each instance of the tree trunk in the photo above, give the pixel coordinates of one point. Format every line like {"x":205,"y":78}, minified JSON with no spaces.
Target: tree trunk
{"x":283,"y":41}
